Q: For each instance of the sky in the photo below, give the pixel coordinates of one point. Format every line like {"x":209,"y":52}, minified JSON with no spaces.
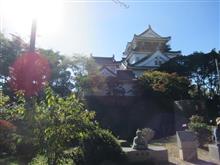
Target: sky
{"x":103,"y":28}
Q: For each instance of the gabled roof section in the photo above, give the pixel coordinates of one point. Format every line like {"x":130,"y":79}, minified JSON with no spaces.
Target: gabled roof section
{"x":157,"y":53}
{"x":109,"y":70}
{"x":150,"y":33}
{"x":142,"y":60}
{"x":104,"y":60}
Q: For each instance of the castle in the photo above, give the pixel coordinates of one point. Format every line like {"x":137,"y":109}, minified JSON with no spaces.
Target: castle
{"x":146,"y":51}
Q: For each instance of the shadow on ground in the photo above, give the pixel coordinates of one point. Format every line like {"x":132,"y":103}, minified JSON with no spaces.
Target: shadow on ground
{"x":202,"y":162}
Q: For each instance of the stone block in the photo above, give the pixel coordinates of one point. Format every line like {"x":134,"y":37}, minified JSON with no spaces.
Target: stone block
{"x":153,"y":153}
{"x":158,"y":153}
{"x":188,"y":154}
{"x":214,"y":152}
{"x":186,"y":139}
{"x":187,"y":143}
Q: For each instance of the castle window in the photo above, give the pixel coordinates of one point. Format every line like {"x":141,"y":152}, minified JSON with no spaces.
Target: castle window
{"x":156,"y":61}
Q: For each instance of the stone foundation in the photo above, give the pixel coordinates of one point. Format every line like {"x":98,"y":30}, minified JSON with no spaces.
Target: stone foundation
{"x":214,"y":152}
{"x":188,"y":154}
{"x":154,"y":153}
{"x":187,"y":143}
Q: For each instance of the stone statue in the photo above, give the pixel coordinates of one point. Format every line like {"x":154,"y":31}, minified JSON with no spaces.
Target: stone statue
{"x":142,"y":138}
{"x":216,"y":131}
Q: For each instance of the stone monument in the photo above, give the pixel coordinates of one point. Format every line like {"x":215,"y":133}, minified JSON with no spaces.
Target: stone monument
{"x":141,"y":152}
{"x":142,"y":138}
{"x":187,"y":143}
{"x":214,"y":149}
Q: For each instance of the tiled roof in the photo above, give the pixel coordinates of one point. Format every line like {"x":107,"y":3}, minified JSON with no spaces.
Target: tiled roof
{"x":150,"y":30}
{"x":104,"y":60}
{"x":152,"y":34}
{"x":109,"y":70}
{"x":142,"y":67}
{"x":141,"y":60}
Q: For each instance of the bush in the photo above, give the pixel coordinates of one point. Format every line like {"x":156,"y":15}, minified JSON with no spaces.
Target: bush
{"x":168,"y":85}
{"x":54,"y":125}
{"x":26,"y":150}
{"x":48,"y":126}
{"x":43,"y":160}
{"x":196,"y":119}
{"x":203,"y":130}
{"x":7,"y":137}
{"x":39,"y":160}
{"x":101,"y":146}
{"x":76,"y":154}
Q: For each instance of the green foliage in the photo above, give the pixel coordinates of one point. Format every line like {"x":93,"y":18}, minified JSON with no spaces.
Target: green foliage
{"x":7,"y":137}
{"x":12,"y":111}
{"x":99,"y":146}
{"x":86,"y":76}
{"x":164,"y":84}
{"x":75,"y":154}
{"x":203,"y":130}
{"x":59,"y":121}
{"x":9,"y":51}
{"x":50,"y":126}
{"x":61,"y":80}
{"x":42,"y":160}
{"x":200,"y":68}
{"x":66,"y":123}
{"x":88,"y":84}
{"x":3,"y":100}
{"x":196,"y":119}
{"x":62,"y":67}
{"x":39,"y":160}
{"x":9,"y":114}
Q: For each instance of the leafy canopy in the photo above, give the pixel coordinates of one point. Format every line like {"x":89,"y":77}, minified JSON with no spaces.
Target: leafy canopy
{"x":164,"y":84}
{"x":198,"y":67}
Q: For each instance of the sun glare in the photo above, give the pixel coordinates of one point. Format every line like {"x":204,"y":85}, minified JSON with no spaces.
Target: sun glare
{"x":19,"y":14}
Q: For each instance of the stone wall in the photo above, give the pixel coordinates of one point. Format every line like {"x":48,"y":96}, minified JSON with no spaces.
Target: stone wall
{"x":124,"y":115}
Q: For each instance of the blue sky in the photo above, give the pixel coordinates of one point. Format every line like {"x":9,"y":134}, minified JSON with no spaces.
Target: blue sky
{"x":103,"y":28}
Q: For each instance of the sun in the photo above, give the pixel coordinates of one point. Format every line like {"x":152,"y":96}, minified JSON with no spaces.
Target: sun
{"x":20,"y":13}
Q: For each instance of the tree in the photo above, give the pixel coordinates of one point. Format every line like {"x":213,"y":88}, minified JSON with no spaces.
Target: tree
{"x":87,"y":78}
{"x":61,"y":77}
{"x":59,"y":129}
{"x":52,"y":125}
{"x":114,"y":87}
{"x":164,"y":84}
{"x":198,"y":67}
{"x":10,"y":49}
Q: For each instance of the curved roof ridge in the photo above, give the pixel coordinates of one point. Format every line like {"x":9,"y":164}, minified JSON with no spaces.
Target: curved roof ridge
{"x":151,"y":31}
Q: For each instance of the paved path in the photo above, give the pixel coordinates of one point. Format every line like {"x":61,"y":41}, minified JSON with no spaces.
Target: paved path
{"x":203,"y":156}
{"x":174,"y":161}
